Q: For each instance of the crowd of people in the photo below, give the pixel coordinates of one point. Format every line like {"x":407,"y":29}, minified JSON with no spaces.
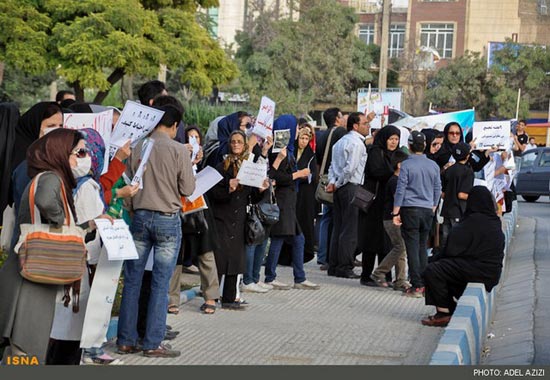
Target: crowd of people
{"x":414,"y":186}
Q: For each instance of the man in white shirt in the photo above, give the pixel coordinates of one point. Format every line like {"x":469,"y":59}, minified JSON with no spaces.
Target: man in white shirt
{"x":349,"y":156}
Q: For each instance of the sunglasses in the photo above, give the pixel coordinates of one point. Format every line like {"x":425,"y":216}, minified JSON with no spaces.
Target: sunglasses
{"x":81,"y":153}
{"x":454,"y":133}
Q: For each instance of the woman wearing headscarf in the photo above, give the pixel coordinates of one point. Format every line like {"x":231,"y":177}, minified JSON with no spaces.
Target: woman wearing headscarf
{"x":236,"y":121}
{"x":9,"y":117}
{"x":305,"y":205}
{"x":229,"y":200}
{"x":434,"y":140}
{"x":27,"y":309}
{"x":372,"y":238}
{"x":36,"y":122}
{"x":283,"y":171}
{"x":474,"y":253}
{"x":453,"y":134}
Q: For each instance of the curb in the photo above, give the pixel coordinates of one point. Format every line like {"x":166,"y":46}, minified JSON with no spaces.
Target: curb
{"x":461,"y":343}
{"x":185,"y":296}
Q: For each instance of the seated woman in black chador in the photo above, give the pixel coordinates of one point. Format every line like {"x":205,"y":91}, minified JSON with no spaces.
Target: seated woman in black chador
{"x":474,"y":253}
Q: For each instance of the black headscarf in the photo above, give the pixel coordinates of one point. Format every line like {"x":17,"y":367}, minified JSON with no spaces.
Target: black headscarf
{"x":480,"y":201}
{"x":384,"y":134}
{"x":9,"y":116}
{"x":430,"y":134}
{"x":445,"y":153}
{"x":80,"y":108}
{"x":28,"y":129}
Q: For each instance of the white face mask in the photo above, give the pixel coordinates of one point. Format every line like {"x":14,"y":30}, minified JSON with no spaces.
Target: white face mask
{"x":83,"y":166}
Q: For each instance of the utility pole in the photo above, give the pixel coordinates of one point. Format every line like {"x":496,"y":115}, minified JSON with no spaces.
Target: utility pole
{"x":384,"y":43}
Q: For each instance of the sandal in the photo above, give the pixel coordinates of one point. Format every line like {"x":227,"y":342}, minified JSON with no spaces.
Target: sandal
{"x":173,"y":309}
{"x":206,"y":308}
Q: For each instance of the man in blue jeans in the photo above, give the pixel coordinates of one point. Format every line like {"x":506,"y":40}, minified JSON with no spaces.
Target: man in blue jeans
{"x":156,"y":224}
{"x":416,"y":198}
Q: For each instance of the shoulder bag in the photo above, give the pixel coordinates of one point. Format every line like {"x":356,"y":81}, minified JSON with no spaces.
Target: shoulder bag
{"x":363,"y":198}
{"x":268,"y":210}
{"x":321,"y":194}
{"x":255,"y":232}
{"x":50,"y":255}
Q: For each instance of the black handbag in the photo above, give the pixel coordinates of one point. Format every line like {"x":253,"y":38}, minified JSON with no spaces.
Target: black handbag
{"x":255,"y":232}
{"x":268,"y":210}
{"x":363,"y":198}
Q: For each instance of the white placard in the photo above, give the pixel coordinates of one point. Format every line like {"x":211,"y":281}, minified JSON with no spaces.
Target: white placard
{"x":491,"y":133}
{"x":263,"y":126}
{"x":145,"y":153}
{"x":100,"y":302}
{"x":117,"y":239}
{"x":196,"y":147}
{"x":204,"y":181}
{"x":252,"y":174}
{"x":101,"y":122}
{"x":135,"y":122}
{"x":489,"y":174}
{"x":281,"y":139}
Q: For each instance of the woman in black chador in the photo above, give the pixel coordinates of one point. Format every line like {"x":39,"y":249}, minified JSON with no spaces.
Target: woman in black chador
{"x":474,"y":253}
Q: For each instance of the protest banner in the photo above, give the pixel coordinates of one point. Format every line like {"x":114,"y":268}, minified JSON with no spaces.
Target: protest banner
{"x":464,"y":118}
{"x":252,"y":174}
{"x":135,"y":122}
{"x":100,"y":301}
{"x":281,"y":139}
{"x":487,"y":134}
{"x":117,"y":239}
{"x":263,"y":126}
{"x":372,"y":99}
{"x":204,"y":181}
{"x":145,"y":153}
{"x":101,"y":122}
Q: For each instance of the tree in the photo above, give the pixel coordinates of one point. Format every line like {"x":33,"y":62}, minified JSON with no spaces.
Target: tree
{"x":466,"y":82}
{"x":296,"y":63}
{"x":462,"y":84}
{"x":23,"y":37}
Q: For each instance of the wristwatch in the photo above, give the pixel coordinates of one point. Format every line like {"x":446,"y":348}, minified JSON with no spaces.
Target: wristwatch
{"x":394,"y":215}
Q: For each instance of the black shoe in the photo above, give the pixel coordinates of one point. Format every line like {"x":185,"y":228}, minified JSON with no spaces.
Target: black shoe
{"x":170,"y":334}
{"x":331,"y":272}
{"x":349,"y":274}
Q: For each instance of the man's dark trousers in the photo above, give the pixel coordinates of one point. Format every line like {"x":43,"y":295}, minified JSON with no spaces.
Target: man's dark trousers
{"x":344,"y":231}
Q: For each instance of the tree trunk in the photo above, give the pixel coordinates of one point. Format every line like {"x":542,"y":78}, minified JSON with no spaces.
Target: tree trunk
{"x":78,"y":92}
{"x":113,"y":78}
{"x":2,"y":64}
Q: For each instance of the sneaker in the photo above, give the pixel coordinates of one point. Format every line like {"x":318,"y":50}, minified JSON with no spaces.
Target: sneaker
{"x":279,"y":285}
{"x":100,"y":360}
{"x":161,"y":352}
{"x":307,"y":285}
{"x":253,"y":288}
{"x":414,"y":292}
{"x":192,"y":269}
{"x":264,"y":285}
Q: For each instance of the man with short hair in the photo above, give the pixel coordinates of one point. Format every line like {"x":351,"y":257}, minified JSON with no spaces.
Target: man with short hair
{"x":156,"y":224}
{"x":335,"y":121}
{"x":149,"y":90}
{"x":64,"y":95}
{"x":349,"y":156}
{"x":416,"y":198}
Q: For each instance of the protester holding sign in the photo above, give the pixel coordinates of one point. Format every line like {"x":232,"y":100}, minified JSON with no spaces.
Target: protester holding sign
{"x":229,"y":200}
{"x":283,"y":171}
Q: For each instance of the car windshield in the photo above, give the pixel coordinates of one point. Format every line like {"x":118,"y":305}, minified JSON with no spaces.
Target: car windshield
{"x":545,"y":159}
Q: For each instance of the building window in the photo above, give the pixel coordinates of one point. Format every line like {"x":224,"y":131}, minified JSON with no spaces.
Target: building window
{"x":543,"y":7}
{"x":439,"y":37}
{"x":364,"y":6}
{"x":366,"y":33}
{"x":397,"y":40}
{"x":213,"y":16}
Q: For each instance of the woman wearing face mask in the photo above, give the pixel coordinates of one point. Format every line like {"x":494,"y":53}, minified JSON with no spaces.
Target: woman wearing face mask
{"x":372,"y":238}
{"x":27,"y":304}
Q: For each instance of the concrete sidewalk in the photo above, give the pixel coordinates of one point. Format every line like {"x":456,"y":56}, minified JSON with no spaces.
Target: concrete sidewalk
{"x":343,"y":323}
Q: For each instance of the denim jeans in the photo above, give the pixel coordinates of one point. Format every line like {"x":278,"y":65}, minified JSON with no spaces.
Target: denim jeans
{"x":297,"y":242}
{"x":254,"y":259}
{"x":325,"y":229}
{"x":150,"y":229}
{"x":417,"y":222}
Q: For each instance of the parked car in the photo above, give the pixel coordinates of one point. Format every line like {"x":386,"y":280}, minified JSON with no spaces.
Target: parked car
{"x":533,"y":177}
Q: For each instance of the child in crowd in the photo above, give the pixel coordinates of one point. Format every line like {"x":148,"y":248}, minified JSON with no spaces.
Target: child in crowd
{"x":457,"y":181}
{"x":398,"y":255}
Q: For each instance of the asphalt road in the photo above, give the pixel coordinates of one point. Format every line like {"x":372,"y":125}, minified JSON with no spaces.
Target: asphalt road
{"x":540,"y":211}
